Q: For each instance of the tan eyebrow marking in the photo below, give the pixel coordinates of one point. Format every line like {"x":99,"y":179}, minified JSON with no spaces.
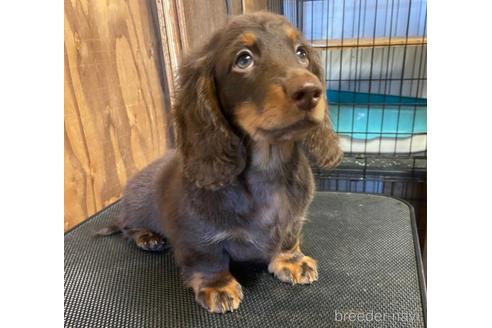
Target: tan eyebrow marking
{"x":291,"y":33}
{"x":248,"y":38}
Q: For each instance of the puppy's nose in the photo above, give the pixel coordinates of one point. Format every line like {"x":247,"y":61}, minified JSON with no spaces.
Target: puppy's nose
{"x":306,"y":95}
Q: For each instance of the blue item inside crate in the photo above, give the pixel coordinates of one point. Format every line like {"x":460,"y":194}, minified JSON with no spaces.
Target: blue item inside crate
{"x":368,"y":116}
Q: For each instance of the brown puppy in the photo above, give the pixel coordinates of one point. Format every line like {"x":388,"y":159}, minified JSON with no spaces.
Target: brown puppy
{"x":250,"y":106}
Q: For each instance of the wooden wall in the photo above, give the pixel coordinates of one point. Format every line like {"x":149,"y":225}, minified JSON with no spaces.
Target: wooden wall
{"x":196,"y":33}
{"x":250,"y":6}
{"x":187,"y":24}
{"x":121,"y":58}
{"x":115,"y":100}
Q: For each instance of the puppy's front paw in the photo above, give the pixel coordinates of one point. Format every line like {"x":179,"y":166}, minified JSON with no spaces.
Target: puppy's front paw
{"x":219,"y":294}
{"x":294,"y":268}
{"x":149,"y":241}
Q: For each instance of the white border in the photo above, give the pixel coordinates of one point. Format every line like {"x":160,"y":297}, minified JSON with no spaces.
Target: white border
{"x":459,"y":163}
{"x":31,"y":136}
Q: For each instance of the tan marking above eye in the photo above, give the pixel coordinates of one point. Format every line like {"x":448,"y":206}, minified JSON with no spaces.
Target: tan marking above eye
{"x":248,"y":39}
{"x":292,"y":33}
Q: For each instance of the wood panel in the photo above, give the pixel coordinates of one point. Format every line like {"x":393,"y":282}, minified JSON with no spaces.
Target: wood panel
{"x":235,"y":7}
{"x":167,"y":20}
{"x":115,"y":106}
{"x":368,"y":42}
{"x":250,"y":6}
{"x":199,"y":20}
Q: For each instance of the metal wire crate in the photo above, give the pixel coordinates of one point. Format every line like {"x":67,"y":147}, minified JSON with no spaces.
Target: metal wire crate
{"x":375,"y":54}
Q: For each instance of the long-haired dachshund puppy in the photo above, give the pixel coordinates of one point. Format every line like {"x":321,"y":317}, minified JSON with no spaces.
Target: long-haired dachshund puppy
{"x":250,"y":109}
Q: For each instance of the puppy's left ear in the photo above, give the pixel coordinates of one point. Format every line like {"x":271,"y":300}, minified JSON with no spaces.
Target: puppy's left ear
{"x":322,"y":142}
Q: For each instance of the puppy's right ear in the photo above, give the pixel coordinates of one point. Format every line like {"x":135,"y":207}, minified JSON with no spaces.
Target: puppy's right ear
{"x":213,"y":154}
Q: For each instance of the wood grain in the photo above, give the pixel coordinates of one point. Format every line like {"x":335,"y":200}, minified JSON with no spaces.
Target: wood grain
{"x":184,"y":25}
{"x":199,"y":19}
{"x":368,"y":42}
{"x":171,"y":45}
{"x":115,"y":106}
{"x":235,"y":7}
{"x":251,"y":6}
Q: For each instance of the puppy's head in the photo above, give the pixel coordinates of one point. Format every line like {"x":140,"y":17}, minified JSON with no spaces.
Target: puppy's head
{"x":269,"y":81}
{"x":256,"y":77}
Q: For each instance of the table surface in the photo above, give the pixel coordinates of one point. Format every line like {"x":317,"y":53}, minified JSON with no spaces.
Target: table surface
{"x":368,"y":262}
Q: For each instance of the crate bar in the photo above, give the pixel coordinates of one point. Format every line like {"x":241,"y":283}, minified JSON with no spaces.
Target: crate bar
{"x":356,"y":64}
{"x":371,"y":72}
{"x":386,"y":72}
{"x":403,"y":69}
{"x":418,"y":81}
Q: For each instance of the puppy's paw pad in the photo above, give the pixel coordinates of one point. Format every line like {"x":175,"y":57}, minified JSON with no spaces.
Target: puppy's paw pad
{"x":294,"y":268}
{"x":151,"y":242}
{"x":221,"y":299}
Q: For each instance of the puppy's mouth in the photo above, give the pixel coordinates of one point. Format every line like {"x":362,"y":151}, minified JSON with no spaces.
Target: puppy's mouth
{"x":298,"y":128}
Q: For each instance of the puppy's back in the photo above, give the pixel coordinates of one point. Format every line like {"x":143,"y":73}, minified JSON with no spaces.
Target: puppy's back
{"x":139,"y":208}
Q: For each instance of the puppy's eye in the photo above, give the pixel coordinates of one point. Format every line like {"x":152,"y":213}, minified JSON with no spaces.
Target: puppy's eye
{"x":301,"y":53}
{"x":244,"y":60}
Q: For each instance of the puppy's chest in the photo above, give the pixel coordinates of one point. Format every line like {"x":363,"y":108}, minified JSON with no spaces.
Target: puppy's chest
{"x":267,"y":209}
{"x":270,"y":216}
{"x":277,"y":198}
{"x":270,"y":207}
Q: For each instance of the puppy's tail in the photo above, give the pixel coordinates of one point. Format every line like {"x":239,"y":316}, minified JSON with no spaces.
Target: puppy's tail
{"x":109,"y":230}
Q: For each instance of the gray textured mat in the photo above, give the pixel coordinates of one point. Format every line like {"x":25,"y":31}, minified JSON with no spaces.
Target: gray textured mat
{"x":368,"y":276}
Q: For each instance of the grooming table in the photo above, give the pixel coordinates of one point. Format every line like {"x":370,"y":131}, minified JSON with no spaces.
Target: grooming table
{"x":368,"y":260}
